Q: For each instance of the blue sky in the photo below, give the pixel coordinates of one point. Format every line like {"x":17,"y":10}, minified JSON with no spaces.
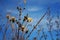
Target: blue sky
{"x":35,"y":9}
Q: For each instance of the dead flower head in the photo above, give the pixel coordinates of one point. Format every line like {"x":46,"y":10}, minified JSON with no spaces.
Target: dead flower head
{"x":23,"y":28}
{"x":12,"y":19}
{"x":29,"y":20}
{"x":7,"y":16}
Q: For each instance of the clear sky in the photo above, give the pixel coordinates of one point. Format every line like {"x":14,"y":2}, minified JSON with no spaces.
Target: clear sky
{"x":35,"y":9}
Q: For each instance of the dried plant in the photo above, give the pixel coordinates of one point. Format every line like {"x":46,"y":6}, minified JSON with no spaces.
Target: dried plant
{"x":23,"y":28}
{"x":50,"y":25}
{"x":6,"y":28}
{"x":58,"y":26}
{"x":43,"y":35}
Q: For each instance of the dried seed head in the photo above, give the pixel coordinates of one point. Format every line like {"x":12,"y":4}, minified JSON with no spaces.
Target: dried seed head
{"x":29,"y":20}
{"x":7,"y":16}
{"x":25,"y":18}
{"x":13,"y":19}
{"x":26,"y":30}
{"x":23,"y":28}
